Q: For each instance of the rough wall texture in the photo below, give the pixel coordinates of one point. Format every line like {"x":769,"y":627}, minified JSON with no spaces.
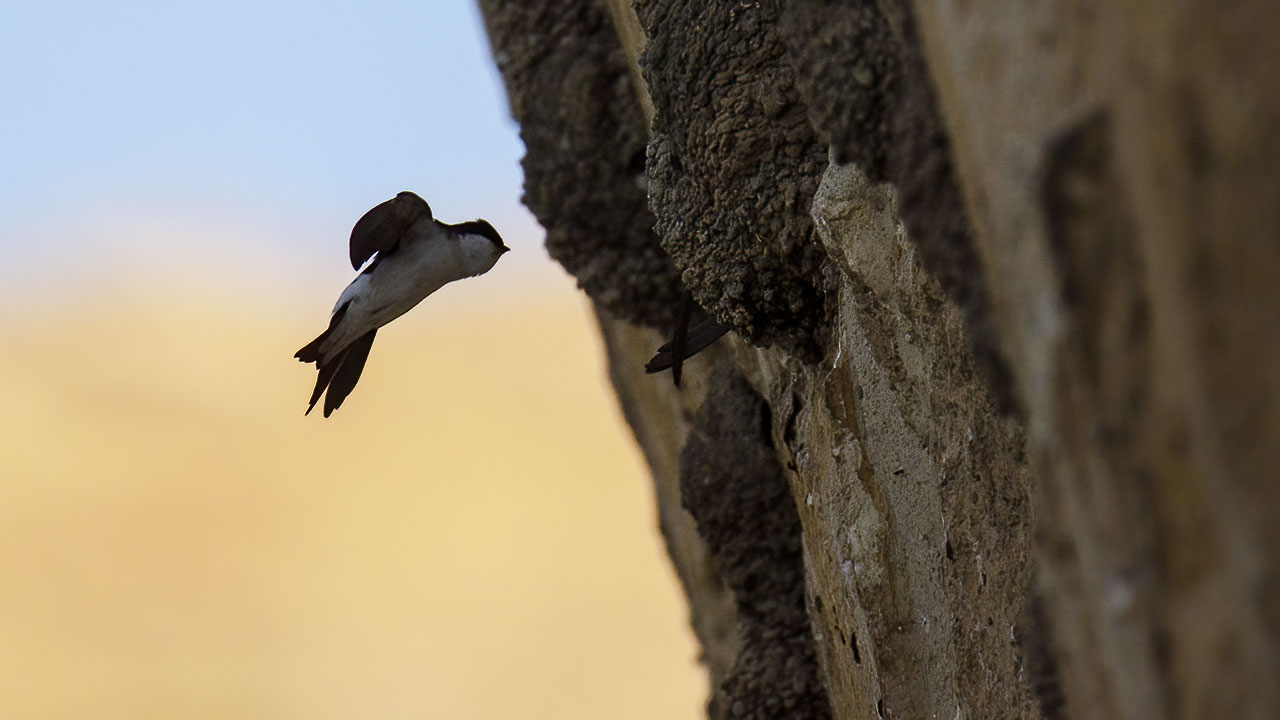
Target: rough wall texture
{"x":861,"y":73}
{"x":1119,"y":163}
{"x":734,"y":487}
{"x":914,"y":494}
{"x":1003,"y":281}
{"x":584,"y":136}
{"x":733,"y":171}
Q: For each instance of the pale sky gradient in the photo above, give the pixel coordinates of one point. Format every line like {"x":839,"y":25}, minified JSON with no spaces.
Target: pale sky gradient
{"x":266,"y":128}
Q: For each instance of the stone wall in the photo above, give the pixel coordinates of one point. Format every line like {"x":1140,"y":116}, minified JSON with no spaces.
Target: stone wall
{"x":994,"y":434}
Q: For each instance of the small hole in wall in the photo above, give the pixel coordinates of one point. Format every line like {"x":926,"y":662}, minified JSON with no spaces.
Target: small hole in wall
{"x":853,"y":643}
{"x":880,"y":707}
{"x":636,"y":166}
{"x":951,"y":553}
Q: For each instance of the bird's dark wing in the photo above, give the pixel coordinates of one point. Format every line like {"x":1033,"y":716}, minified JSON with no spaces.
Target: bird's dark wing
{"x":383,"y":226}
{"x":702,"y":333}
{"x":679,"y":337}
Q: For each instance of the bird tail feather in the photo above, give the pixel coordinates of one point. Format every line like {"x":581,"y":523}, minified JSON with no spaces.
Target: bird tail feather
{"x":348,"y":373}
{"x":323,"y":378}
{"x":310,"y":353}
{"x":340,"y":374}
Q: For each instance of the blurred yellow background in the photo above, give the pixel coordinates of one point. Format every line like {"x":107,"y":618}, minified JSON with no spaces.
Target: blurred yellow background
{"x":470,"y":536}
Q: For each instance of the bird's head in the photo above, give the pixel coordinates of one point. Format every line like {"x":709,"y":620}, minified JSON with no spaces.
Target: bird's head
{"x":481,"y":245}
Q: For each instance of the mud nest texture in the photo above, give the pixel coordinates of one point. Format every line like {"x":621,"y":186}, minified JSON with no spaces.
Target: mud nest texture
{"x":732,"y":484}
{"x":733,"y":164}
{"x":584,"y":135}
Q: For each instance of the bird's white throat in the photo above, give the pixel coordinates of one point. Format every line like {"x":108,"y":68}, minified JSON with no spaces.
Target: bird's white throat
{"x":479,"y":253}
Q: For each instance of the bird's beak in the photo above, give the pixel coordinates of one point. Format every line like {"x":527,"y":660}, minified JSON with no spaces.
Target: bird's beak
{"x":505,"y":248}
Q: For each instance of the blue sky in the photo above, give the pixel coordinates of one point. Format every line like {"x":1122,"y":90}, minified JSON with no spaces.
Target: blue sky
{"x":259,"y":129}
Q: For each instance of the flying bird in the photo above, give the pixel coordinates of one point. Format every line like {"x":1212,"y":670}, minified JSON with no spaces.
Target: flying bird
{"x":694,"y":331}
{"x":413,"y":256}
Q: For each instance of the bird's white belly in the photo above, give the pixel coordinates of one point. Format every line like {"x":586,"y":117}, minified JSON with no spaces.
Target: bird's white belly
{"x":392,"y":295}
{"x":395,"y":286}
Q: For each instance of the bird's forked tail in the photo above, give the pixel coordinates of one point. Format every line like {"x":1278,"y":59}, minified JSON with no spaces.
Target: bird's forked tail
{"x":310,"y":353}
{"x":341,"y":371}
